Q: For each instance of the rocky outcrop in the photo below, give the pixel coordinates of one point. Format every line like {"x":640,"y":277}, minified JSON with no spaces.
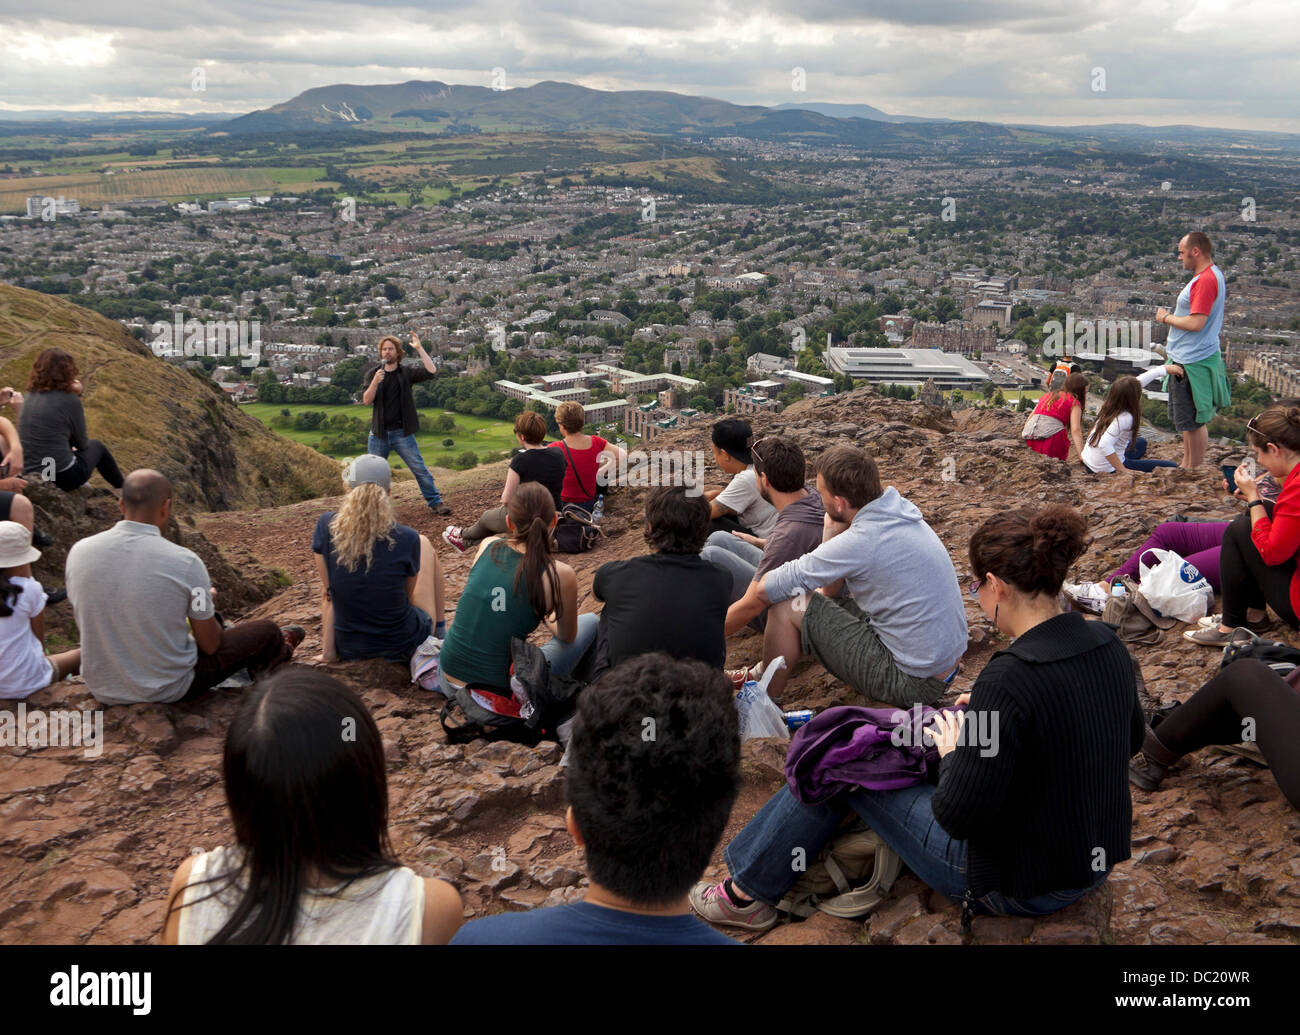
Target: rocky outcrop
{"x":88,"y":845}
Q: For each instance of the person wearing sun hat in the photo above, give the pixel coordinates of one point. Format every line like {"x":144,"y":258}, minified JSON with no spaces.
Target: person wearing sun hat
{"x":24,"y":665}
{"x":381,"y":582}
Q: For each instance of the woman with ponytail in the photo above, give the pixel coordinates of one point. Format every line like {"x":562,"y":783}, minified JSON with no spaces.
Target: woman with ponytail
{"x":1032,"y":807}
{"x":514,"y":584}
{"x":1257,"y":564}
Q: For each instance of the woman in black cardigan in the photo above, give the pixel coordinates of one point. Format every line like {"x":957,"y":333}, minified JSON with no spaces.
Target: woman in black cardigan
{"x":1032,"y":807}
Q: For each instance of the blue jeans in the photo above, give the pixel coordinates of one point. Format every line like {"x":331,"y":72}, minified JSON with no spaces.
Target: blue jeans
{"x":408,"y":449}
{"x":762,"y":856}
{"x":738,"y":559}
{"x":560,"y":656}
{"x":1137,"y":449}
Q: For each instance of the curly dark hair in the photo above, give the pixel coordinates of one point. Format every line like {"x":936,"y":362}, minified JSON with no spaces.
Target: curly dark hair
{"x":654,"y":770}
{"x":53,"y":371}
{"x":1031,"y":549}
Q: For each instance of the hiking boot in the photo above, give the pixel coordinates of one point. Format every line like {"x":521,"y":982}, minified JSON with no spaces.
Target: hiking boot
{"x":56,"y":596}
{"x":41,"y":539}
{"x":712,"y":902}
{"x":452,"y":537}
{"x":740,"y":676}
{"x":441,"y":510}
{"x":1150,"y":767}
{"x":1088,"y":596}
{"x":293,"y":635}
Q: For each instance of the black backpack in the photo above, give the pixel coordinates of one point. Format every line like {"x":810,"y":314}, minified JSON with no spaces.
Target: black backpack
{"x":483,"y":712}
{"x":1282,"y":658}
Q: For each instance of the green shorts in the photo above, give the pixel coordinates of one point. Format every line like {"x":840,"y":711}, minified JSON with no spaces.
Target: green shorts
{"x":838,"y":634}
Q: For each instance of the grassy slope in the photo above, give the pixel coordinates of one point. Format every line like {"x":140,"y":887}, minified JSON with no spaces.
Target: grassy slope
{"x":153,"y":414}
{"x":481,"y":434}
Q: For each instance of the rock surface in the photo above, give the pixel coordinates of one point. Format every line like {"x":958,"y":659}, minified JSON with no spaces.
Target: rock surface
{"x":88,"y":845}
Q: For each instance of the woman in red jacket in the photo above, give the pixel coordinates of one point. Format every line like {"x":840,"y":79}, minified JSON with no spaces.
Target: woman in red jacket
{"x":1257,"y":564}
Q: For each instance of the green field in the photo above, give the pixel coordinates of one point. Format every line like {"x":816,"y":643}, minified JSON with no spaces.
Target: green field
{"x":485,"y":437}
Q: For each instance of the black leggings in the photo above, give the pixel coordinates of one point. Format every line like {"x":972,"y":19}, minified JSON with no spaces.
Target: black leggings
{"x":95,"y":457}
{"x":1247,"y":582}
{"x":1215,"y":714}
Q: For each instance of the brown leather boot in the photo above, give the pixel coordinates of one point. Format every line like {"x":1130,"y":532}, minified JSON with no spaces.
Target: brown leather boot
{"x":1149,"y":768}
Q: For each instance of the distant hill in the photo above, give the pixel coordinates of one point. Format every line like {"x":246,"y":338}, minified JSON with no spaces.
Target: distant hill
{"x":153,"y":414}
{"x":854,"y":111}
{"x":551,"y":107}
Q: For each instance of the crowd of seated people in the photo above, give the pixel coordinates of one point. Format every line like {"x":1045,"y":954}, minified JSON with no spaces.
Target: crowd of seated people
{"x":843,"y":571}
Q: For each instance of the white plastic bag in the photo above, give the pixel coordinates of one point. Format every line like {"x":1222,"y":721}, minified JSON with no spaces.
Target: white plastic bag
{"x":1174,"y":587}
{"x":759,"y":715}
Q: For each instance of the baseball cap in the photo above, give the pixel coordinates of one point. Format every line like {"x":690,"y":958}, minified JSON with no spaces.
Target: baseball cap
{"x":368,"y":469}
{"x":16,"y":545}
{"x":734,"y":437}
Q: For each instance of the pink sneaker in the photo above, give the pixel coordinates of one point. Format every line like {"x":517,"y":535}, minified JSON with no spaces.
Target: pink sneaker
{"x":451,"y":536}
{"x":713,"y":903}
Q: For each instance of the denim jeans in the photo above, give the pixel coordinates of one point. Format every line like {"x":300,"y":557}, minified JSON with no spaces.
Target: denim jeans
{"x":560,"y":656}
{"x":408,"y":449}
{"x":1137,"y":449}
{"x":738,"y":559}
{"x":763,"y":855}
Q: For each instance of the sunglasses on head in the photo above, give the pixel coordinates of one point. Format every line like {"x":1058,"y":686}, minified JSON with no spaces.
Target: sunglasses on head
{"x":975,"y":587}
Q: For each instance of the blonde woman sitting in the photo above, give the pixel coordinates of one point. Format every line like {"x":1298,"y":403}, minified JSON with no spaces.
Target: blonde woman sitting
{"x":381,"y":583}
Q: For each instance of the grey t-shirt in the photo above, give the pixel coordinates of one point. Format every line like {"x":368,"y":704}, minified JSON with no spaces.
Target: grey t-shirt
{"x":741,"y":496}
{"x":798,"y":531}
{"x":132,"y":592}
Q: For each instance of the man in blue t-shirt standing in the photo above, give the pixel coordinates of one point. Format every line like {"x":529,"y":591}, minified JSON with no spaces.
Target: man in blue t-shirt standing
{"x":1194,"y":325}
{"x":654,"y":768}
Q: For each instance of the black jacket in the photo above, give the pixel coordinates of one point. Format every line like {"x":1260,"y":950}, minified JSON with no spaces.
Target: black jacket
{"x":1050,"y":809}
{"x":407,"y":375}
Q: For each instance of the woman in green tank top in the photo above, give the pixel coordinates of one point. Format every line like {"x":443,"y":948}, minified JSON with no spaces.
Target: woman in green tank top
{"x":515,"y":584}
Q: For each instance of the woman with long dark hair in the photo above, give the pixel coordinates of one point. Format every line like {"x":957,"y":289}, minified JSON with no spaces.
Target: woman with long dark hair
{"x":1032,"y":806}
{"x":312,"y":862}
{"x":1115,"y":435}
{"x":52,"y":426}
{"x":514,"y":585}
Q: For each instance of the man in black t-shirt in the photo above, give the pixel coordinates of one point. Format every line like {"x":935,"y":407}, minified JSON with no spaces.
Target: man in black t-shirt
{"x":671,"y":600}
{"x":393,"y":420}
{"x":533,"y":463}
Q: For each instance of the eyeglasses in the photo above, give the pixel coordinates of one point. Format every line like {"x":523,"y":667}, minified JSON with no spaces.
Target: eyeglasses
{"x":975,"y":587}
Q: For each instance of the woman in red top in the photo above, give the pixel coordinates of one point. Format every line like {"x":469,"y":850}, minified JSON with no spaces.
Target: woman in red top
{"x":1257,"y":564}
{"x":589,"y":456}
{"x":1064,"y":401}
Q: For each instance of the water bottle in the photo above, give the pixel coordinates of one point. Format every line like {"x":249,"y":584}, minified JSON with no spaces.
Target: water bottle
{"x":1118,"y":591}
{"x":599,"y":508}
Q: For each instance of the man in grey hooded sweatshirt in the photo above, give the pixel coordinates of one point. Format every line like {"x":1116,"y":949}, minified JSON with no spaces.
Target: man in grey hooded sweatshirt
{"x":900,"y":634}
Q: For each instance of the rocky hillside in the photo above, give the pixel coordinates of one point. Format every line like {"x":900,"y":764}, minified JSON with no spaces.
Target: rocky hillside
{"x":153,"y":414}
{"x":88,"y":845}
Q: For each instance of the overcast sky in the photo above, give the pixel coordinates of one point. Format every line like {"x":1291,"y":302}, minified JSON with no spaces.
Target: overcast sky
{"x":1230,"y":63}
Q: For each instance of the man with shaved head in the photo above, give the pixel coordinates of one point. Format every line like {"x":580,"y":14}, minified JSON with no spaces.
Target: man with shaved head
{"x":144,"y":606}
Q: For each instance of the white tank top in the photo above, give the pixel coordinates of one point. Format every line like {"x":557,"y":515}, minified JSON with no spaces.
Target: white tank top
{"x":386,"y":909}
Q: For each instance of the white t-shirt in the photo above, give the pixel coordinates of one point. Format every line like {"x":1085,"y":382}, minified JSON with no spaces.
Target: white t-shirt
{"x":741,"y":496}
{"x":386,"y":909}
{"x":1116,"y":438}
{"x":24,"y":668}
